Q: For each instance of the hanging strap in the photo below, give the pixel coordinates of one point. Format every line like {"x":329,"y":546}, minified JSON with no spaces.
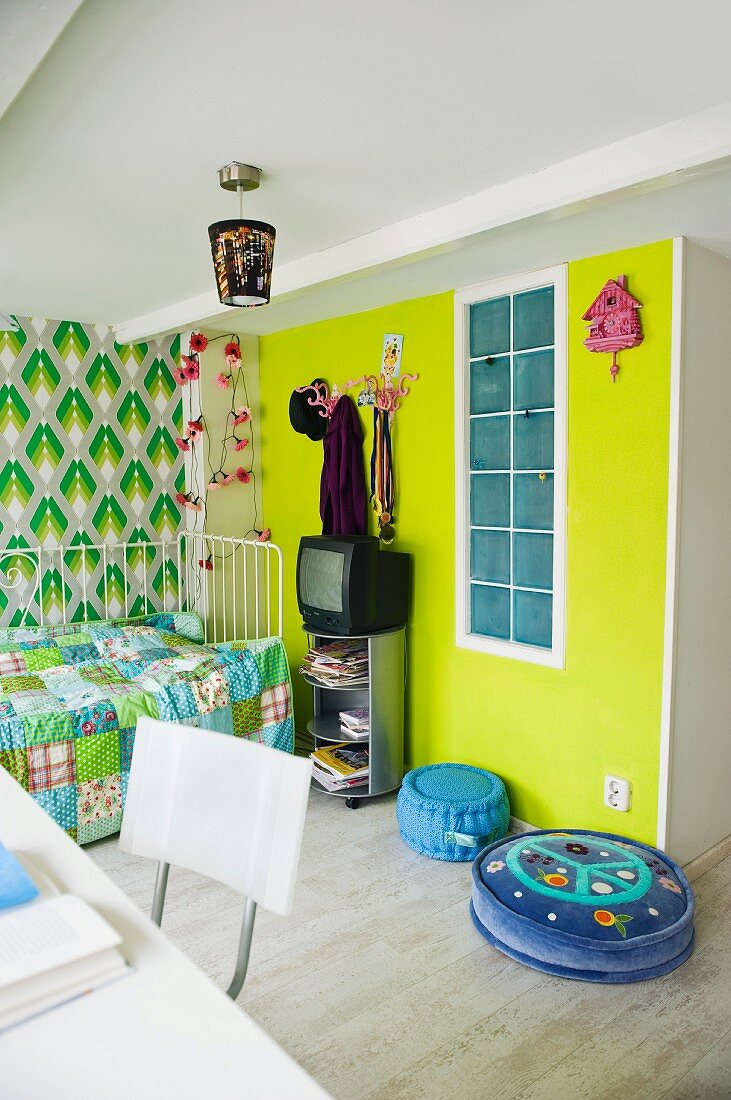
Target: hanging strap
{"x":373,"y":452}
{"x":467,"y":840}
{"x":387,"y":481}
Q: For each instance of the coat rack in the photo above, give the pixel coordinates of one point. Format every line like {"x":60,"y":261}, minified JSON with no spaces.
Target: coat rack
{"x":386,"y":397}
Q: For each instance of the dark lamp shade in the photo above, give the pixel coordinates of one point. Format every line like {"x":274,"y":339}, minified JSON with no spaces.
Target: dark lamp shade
{"x":242,"y":260}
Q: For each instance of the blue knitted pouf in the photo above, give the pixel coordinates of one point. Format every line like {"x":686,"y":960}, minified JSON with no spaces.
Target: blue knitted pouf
{"x":592,"y":906}
{"x":450,"y":811}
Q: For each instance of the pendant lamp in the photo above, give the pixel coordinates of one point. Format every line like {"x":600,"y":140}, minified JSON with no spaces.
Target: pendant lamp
{"x":242,"y":250}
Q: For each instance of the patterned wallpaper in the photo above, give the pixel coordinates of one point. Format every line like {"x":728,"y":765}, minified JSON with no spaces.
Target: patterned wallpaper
{"x":87,"y":452}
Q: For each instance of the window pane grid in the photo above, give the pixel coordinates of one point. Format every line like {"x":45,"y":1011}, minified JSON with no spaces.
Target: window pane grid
{"x":497,"y":470}
{"x":500,"y":584}
{"x":517,"y":530}
{"x":525,"y":619}
{"x":506,"y":412}
{"x":498,"y":355}
{"x":512,"y":453}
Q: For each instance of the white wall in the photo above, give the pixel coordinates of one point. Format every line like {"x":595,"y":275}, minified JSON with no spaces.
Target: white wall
{"x":700,"y":758}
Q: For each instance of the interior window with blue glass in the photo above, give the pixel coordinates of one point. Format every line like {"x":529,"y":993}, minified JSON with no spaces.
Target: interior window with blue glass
{"x":508,"y":379}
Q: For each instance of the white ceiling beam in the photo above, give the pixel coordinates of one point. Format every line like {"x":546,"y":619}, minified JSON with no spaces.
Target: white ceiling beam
{"x":655,"y":158}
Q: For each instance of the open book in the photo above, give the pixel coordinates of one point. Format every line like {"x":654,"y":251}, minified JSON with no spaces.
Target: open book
{"x":52,"y":951}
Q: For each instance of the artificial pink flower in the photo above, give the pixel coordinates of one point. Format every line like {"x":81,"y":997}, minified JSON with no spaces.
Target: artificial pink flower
{"x":182,"y":444}
{"x":188,"y":361}
{"x":181,"y":498}
{"x":264,"y":535}
{"x":195,"y":429}
{"x":232,"y":350}
{"x":242,"y":414}
{"x":198,"y":342}
{"x":207,"y":564}
{"x":220,"y":480}
{"x":232,"y":361}
{"x":241,"y":444}
{"x":180,"y":376}
{"x":223,"y":380}
{"x":194,"y":505}
{"x":191,"y":372}
{"x":244,"y":476}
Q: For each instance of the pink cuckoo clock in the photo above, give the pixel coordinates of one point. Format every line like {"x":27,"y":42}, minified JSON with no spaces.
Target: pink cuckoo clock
{"x":614,"y":321}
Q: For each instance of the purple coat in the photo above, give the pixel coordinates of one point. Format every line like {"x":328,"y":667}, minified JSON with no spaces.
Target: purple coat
{"x":342,"y":485}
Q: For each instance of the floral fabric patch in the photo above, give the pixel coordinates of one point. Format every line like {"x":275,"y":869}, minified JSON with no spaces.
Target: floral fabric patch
{"x":99,"y":798}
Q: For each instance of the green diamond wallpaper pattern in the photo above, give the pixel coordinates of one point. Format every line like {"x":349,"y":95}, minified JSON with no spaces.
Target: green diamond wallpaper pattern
{"x":87,"y":456}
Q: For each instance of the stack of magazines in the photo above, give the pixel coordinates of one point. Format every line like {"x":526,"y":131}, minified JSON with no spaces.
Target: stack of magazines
{"x":355,"y":722}
{"x":338,"y":664}
{"x":340,"y":767}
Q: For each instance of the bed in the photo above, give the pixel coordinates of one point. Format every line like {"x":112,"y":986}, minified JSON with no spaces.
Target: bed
{"x":71,"y":690}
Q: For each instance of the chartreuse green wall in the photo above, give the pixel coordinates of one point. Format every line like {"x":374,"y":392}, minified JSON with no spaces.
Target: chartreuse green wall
{"x":551,"y":734}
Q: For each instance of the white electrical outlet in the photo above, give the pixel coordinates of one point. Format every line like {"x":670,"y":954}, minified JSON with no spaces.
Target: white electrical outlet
{"x":616,"y":792}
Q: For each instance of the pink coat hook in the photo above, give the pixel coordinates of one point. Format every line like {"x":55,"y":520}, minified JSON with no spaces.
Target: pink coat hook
{"x":386,"y":397}
{"x":322,"y":397}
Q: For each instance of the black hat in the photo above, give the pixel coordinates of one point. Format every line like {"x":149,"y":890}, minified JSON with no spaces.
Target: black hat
{"x":305,"y":418}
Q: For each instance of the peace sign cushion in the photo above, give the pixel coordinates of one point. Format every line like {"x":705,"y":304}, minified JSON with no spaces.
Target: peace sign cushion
{"x":586,"y":905}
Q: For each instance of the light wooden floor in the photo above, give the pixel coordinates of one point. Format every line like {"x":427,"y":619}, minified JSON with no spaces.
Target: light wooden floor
{"x":379,"y":985}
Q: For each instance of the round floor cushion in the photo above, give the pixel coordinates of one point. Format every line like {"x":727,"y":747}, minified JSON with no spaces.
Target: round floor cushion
{"x":450,"y":811}
{"x":585,"y":905}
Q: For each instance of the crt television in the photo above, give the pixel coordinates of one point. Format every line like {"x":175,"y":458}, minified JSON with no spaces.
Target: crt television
{"x":347,"y":585}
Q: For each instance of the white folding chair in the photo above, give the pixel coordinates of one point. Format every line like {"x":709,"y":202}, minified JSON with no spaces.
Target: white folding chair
{"x":222,"y":806}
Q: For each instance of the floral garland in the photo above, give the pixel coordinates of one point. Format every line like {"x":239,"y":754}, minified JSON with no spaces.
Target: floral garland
{"x":237,"y":418}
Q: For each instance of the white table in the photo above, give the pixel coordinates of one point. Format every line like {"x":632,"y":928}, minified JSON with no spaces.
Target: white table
{"x":163,"y":1031}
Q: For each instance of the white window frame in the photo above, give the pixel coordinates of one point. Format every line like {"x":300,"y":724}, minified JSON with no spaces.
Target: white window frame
{"x":463,"y":299}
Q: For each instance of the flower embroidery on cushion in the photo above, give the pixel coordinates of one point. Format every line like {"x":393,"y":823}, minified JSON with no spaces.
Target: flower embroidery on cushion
{"x":577,"y":849}
{"x":607,"y":920}
{"x":669,"y":884}
{"x":494,"y":865}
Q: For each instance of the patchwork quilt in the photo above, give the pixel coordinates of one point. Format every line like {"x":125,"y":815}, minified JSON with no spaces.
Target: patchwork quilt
{"x":70,"y":697}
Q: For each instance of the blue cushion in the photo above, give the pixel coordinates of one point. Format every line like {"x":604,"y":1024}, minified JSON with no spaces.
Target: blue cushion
{"x":450,"y":811}
{"x":581,"y":904}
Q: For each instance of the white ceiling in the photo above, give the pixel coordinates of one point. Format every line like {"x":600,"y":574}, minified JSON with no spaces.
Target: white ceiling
{"x":27,"y":32}
{"x":361,"y":115}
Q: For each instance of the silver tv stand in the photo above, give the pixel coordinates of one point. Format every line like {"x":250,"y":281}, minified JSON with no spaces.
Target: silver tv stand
{"x":384,"y":696}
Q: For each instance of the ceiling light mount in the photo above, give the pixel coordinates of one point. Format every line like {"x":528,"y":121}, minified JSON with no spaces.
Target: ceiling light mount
{"x":239,"y":177}
{"x":242,"y":250}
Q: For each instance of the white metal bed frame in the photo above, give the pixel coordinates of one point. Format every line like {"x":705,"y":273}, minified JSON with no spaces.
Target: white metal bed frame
{"x":239,"y":594}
